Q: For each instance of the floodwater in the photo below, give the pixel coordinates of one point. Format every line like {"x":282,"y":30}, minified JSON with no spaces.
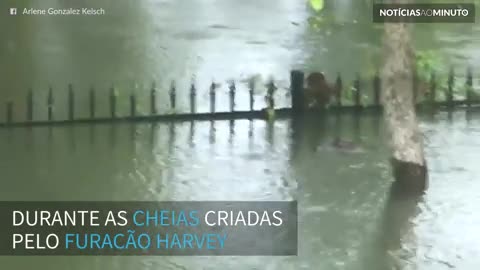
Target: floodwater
{"x":347,"y":220}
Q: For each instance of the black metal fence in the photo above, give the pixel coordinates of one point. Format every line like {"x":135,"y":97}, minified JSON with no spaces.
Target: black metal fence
{"x":297,"y":102}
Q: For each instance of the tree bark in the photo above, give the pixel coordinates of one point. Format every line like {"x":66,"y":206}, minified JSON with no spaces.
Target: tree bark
{"x":406,"y":140}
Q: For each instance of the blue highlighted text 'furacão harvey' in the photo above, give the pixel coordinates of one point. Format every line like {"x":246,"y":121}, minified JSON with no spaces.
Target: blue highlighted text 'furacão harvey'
{"x":144,"y":241}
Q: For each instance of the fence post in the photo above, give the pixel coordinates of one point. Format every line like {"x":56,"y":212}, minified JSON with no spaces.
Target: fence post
{"x":231,"y":130}
{"x":212,"y":97}
{"x":50,"y":102}
{"x":92,"y":102}
{"x":296,"y":87}
{"x":30,"y":105}
{"x":153,"y":99}
{"x":9,"y":112}
{"x":113,"y":103}
{"x":192,"y":133}
{"x":451,"y":81}
{"x":270,"y":94}
{"x":433,"y":88}
{"x":338,"y":87}
{"x":376,"y":89}
{"x":133,"y":104}
{"x":251,"y":89}
{"x":232,"y":90}
{"x":173,"y":95}
{"x":357,"y":86}
{"x":193,"y":93}
{"x":71,"y":102}
{"x":469,"y":86}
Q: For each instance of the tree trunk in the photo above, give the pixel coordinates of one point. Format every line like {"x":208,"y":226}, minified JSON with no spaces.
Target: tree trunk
{"x":408,"y":161}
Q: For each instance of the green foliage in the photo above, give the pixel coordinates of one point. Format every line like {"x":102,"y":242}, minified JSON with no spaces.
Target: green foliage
{"x":427,"y":62}
{"x":316,"y":5}
{"x":317,"y":20}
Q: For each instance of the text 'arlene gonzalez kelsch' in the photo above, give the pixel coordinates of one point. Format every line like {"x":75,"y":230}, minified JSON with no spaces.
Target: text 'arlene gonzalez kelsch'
{"x":64,"y":12}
